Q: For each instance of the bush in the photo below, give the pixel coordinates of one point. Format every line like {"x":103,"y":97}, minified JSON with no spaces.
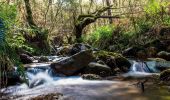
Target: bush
{"x":8,"y":57}
{"x":102,"y":35}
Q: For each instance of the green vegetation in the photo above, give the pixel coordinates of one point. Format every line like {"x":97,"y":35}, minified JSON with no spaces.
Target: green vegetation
{"x":102,"y":35}
{"x":37,"y":28}
{"x":138,"y":30}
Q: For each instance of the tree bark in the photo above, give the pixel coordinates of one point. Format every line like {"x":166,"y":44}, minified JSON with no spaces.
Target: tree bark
{"x":29,"y":17}
{"x":109,"y":11}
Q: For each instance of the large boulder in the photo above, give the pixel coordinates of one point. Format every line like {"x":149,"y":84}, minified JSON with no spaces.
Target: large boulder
{"x":98,"y":69}
{"x":165,"y":55}
{"x":26,"y":59}
{"x":113,"y":60}
{"x":72,"y":65}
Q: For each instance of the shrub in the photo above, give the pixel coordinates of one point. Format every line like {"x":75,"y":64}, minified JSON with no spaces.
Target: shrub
{"x":101,"y":37}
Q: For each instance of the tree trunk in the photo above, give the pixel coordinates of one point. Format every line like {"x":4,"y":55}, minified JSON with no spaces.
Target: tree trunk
{"x":109,"y":11}
{"x":29,"y":17}
{"x":83,"y":20}
{"x":41,"y":35}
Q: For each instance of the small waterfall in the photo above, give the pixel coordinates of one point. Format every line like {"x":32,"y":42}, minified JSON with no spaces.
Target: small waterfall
{"x":140,"y":69}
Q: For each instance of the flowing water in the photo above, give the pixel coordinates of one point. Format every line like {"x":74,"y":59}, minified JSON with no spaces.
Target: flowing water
{"x":141,"y":69}
{"x":42,"y":81}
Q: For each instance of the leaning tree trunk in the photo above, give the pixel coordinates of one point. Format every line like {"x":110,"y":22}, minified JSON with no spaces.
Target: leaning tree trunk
{"x":83,"y":20}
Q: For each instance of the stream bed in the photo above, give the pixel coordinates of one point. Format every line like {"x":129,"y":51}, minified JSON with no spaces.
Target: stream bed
{"x":42,"y":82}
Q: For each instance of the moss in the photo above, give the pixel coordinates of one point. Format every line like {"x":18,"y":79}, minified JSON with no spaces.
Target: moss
{"x":165,"y":55}
{"x":113,"y":60}
{"x":64,"y":51}
{"x":105,"y":54}
{"x":91,"y":77}
{"x":157,"y":59}
{"x":43,"y":59}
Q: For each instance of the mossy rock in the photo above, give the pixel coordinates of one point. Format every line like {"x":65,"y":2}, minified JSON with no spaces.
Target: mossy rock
{"x":156,"y":59}
{"x":165,"y":75}
{"x":113,"y":60}
{"x":104,"y":54}
{"x":43,"y":59}
{"x":64,"y":51}
{"x":91,"y":77}
{"x":98,"y":69}
{"x":165,"y":55}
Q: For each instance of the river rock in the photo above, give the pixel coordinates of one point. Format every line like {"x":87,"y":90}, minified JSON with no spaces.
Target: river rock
{"x":69,"y":66}
{"x":14,"y":78}
{"x":64,"y":50}
{"x":51,"y":96}
{"x":11,"y":78}
{"x":91,"y":77}
{"x":113,"y":60}
{"x":165,"y":75}
{"x":43,"y":59}
{"x":151,"y":52}
{"x":142,"y":55}
{"x":168,"y":49}
{"x":158,"y":44}
{"x":165,"y":55}
{"x":131,"y":52}
{"x":26,"y":59}
{"x":98,"y":69}
{"x":79,"y":47}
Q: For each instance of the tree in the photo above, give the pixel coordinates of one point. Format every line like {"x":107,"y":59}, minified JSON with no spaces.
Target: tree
{"x":29,"y":17}
{"x":109,"y":11}
{"x":41,"y":34}
{"x":83,"y":20}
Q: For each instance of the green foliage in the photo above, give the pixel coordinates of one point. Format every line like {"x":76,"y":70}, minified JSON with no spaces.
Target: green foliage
{"x":143,"y":25}
{"x":8,"y":14}
{"x":156,"y":11}
{"x":18,"y":42}
{"x":8,"y":56}
{"x":153,"y":7}
{"x":101,"y":36}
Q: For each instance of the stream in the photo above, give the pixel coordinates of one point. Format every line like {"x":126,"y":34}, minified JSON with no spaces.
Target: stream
{"x":43,"y":81}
